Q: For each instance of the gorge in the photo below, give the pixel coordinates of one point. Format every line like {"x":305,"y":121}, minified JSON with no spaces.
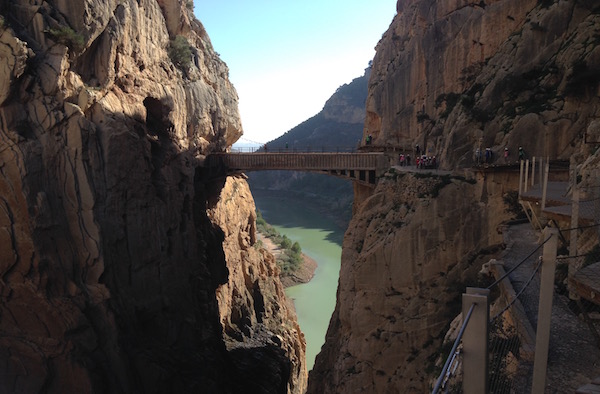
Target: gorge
{"x":124,"y":268}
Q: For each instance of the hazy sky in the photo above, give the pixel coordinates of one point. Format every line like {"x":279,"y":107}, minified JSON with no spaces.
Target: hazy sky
{"x":286,"y":58}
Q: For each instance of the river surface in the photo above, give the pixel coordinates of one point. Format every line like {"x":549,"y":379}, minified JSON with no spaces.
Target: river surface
{"x":321,"y":239}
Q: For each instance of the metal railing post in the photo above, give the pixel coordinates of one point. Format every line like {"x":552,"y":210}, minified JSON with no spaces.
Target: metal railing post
{"x":532,"y":172}
{"x":521,"y":178}
{"x":545,"y":187}
{"x":526,"y":183}
{"x":541,"y":169}
{"x":573,"y":265}
{"x":475,"y":341}
{"x":542,"y":339}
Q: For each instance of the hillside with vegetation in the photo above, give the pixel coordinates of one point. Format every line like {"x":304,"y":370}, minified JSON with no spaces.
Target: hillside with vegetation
{"x":290,"y":258}
{"x":338,"y":127}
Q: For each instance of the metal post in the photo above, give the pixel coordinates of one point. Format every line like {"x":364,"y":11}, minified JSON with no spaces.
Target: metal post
{"x":573,"y":266}
{"x":521,"y":179}
{"x":541,"y":171}
{"x":532,"y":172}
{"x":526,"y":183}
{"x":542,"y":339}
{"x":545,"y":187}
{"x":475,"y":341}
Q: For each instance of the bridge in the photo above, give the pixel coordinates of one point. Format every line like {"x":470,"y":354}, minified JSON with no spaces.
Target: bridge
{"x":360,"y":167}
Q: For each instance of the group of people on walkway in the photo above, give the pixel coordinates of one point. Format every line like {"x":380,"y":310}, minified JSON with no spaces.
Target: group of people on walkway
{"x":422,"y":161}
{"x":427,"y":162}
{"x":487,"y":157}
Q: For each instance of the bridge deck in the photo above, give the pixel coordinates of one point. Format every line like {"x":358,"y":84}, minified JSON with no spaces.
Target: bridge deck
{"x":300,"y":161}
{"x":362,"y":167}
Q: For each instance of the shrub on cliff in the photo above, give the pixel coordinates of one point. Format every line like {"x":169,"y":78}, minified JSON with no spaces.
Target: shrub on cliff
{"x":68,"y":37}
{"x":180,"y":52}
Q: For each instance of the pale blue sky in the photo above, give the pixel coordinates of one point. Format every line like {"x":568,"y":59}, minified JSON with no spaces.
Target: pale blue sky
{"x":286,"y":58}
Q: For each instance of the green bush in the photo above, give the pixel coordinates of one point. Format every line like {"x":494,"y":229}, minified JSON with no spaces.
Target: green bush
{"x":291,"y":258}
{"x":285,"y":242}
{"x":296,"y":248}
{"x":180,"y":52}
{"x":67,"y":37}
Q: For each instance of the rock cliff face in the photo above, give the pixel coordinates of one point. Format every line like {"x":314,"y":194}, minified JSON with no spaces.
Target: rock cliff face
{"x":452,"y":76}
{"x":410,"y":249}
{"x":455,"y":76}
{"x":121,"y":268}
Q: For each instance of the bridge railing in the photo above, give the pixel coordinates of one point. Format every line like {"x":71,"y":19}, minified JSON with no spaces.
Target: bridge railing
{"x":299,"y":161}
{"x":295,"y":149}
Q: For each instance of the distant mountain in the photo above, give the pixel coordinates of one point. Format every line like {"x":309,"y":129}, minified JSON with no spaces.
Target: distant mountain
{"x":338,"y":126}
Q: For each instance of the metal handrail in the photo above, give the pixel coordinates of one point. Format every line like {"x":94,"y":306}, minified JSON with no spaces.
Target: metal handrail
{"x":440,"y":380}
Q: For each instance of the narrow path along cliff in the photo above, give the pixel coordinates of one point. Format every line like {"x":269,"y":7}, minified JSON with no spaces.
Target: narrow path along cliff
{"x":572,"y":362}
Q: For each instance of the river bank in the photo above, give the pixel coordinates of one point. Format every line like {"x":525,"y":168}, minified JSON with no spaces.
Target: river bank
{"x":320,"y":239}
{"x":302,"y":275}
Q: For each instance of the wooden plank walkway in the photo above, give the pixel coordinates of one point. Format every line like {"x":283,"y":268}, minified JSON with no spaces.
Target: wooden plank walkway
{"x":559,"y":206}
{"x":556,"y":194}
{"x":586,"y":283}
{"x":559,"y":203}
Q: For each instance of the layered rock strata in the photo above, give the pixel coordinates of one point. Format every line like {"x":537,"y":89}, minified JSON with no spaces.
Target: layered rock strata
{"x":122,"y":269}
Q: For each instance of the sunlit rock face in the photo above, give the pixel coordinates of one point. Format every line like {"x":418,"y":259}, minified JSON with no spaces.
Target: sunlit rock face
{"x":122,"y":268}
{"x":454,"y":76}
{"x":409,"y":250}
{"x":451,"y":76}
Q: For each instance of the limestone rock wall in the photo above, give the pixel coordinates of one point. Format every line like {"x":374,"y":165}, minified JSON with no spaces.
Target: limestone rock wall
{"x":461,"y":75}
{"x":118,"y":271}
{"x":451,"y":76}
{"x":254,"y":316}
{"x":410,"y":250}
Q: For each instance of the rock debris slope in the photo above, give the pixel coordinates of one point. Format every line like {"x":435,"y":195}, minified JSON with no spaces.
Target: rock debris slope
{"x":122,"y":269}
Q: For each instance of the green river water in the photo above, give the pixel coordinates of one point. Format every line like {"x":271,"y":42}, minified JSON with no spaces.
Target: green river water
{"x":321,"y":240}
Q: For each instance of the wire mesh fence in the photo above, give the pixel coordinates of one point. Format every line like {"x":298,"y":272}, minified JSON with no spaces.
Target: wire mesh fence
{"x":513,"y":318}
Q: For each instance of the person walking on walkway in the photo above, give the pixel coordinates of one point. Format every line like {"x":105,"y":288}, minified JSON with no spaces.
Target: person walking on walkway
{"x":521,"y":153}
{"x":488,"y":155}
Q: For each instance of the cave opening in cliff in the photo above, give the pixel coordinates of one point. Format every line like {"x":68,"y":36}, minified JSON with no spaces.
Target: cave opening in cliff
{"x":158,"y":126}
{"x":156,"y":117}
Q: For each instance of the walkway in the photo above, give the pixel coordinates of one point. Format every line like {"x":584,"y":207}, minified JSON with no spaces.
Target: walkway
{"x":414,"y":169}
{"x":574,"y":357}
{"x":360,"y":167}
